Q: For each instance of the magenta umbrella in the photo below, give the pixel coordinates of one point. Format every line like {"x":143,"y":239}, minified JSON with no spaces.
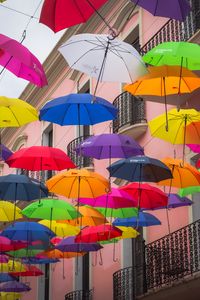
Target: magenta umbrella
{"x":194,"y":147}
{"x":20,"y":61}
{"x":114,"y":199}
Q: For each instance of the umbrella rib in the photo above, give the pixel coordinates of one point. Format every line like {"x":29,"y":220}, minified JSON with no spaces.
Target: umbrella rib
{"x":14,"y":116}
{"x":89,"y":187}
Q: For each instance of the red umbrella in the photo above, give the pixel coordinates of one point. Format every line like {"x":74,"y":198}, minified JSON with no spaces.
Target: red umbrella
{"x":148,"y":197}
{"x":37,"y":158}
{"x":8,"y":245}
{"x":98,"y":233}
{"x":30,"y":271}
{"x":61,"y":14}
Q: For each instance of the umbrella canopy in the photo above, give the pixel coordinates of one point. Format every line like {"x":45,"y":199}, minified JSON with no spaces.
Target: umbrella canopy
{"x":126,"y":212}
{"x":50,"y":209}
{"x":194,"y":147}
{"x":4,"y":258}
{"x":9,"y":212}
{"x":190,"y":190}
{"x":143,"y":219}
{"x":147,"y":196}
{"x":173,"y":9}
{"x":28,"y":231}
{"x":104,"y":58}
{"x":4,"y":277}
{"x":23,"y":253}
{"x":38,"y":158}
{"x":5,"y":153}
{"x":97,"y":233}
{"x":29,"y":272}
{"x":8,"y":245}
{"x":10,"y":296}
{"x":177,"y":201}
{"x":127,"y":232}
{"x":61,"y":229}
{"x":58,"y":14}
{"x":140,"y":168}
{"x":20,"y":61}
{"x":115,"y":198}
{"x":14,"y":286}
{"x":70,"y":245}
{"x":15,"y":112}
{"x":78,"y":183}
{"x":11,"y":266}
{"x":184,"y":175}
{"x":177,"y":132}
{"x":59,"y":254}
{"x":40,"y":261}
{"x":184,"y":54}
{"x":109,"y":146}
{"x":78,"y":109}
{"x":21,"y":187}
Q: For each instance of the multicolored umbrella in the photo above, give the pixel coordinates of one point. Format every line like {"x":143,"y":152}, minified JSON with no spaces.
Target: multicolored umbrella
{"x":58,"y":14}
{"x":20,"y":61}
{"x":70,"y":245}
{"x":61,"y":229}
{"x":109,"y":146}
{"x":143,"y":220}
{"x":37,"y":158}
{"x":140,"y":168}
{"x":173,"y":9}
{"x":9,"y":245}
{"x":14,"y":286}
{"x":29,"y":272}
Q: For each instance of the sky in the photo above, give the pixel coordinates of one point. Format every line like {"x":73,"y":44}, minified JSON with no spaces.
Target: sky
{"x":40,"y":40}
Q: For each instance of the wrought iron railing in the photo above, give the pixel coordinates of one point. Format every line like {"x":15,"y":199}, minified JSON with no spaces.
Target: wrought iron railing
{"x":79,"y":295}
{"x":168,"y":259}
{"x":175,"y":30}
{"x":131,"y":111}
{"x":79,"y":160}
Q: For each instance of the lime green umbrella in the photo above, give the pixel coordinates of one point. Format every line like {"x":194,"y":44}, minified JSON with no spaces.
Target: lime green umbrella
{"x":183,"y":54}
{"x":189,"y":191}
{"x":115,"y":240}
{"x":127,"y":212}
{"x":51,"y":209}
{"x":24,"y":253}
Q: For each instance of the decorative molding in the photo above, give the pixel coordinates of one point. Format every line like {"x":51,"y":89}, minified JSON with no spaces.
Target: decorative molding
{"x":19,"y":142}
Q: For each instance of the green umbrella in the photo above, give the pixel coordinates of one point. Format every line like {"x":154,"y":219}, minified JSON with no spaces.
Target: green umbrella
{"x":115,"y":240}
{"x":189,"y":191}
{"x":24,"y":253}
{"x":51,"y":209}
{"x":127,"y":212}
{"x":183,"y":54}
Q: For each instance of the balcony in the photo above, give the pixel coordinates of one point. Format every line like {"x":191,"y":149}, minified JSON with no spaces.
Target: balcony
{"x":172,"y":261}
{"x":79,"y":161}
{"x":79,"y":295}
{"x":178,"y":31}
{"x":131,"y":116}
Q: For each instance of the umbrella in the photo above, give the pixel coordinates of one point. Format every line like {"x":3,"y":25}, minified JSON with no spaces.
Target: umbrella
{"x":190,"y":190}
{"x":104,"y":58}
{"x":59,"y":254}
{"x":8,"y":245}
{"x":194,"y":147}
{"x":60,"y":229}
{"x":14,"y":286}
{"x":4,"y":277}
{"x":184,"y":54}
{"x":23,"y":253}
{"x":11,"y":266}
{"x":69,"y":245}
{"x":38,"y":158}
{"x":126,"y":212}
{"x":184,"y":175}
{"x":10,"y":296}
{"x":173,"y":9}
{"x":109,"y":146}
{"x":98,"y":233}
{"x":177,"y":201}
{"x":144,"y":219}
{"x":4,"y":258}
{"x":148,"y":197}
{"x":127,"y":232}
{"x":15,"y":112}
{"x":114,"y":199}
{"x":40,"y":261}
{"x":9,"y":212}
{"x":50,"y":209}
{"x":58,"y":14}
{"x":140,"y":168}
{"x":78,"y":183}
{"x":20,"y":61}
{"x":29,"y":272}
{"x":5,"y":153}
{"x":28,"y":231}
{"x":21,"y":187}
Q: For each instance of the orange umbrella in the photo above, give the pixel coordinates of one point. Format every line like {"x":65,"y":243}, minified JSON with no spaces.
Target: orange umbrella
{"x":58,"y":254}
{"x":184,"y":175}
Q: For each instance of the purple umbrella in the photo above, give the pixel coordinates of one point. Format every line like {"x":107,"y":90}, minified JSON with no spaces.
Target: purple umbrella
{"x":173,"y":9}
{"x":69,"y":245}
{"x":14,"y":286}
{"x":194,"y":148}
{"x":5,"y":153}
{"x":3,"y":258}
{"x":109,"y":146}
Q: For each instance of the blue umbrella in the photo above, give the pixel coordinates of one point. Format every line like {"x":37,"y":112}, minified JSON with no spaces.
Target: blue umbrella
{"x":78,"y":109}
{"x":20,"y":187}
{"x":5,"y":153}
{"x":4,"y":277}
{"x":28,"y":231}
{"x":140,"y":168}
{"x":143,"y":219}
{"x":39,"y":261}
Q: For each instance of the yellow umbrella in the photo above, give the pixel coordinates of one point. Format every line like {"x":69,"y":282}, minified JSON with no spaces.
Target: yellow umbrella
{"x":10,"y":296}
{"x":12,"y":266}
{"x":128,"y":232}
{"x":9,"y":212}
{"x":15,"y":112}
{"x":60,"y":229}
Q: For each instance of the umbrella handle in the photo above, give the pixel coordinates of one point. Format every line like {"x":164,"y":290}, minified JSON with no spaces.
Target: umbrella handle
{"x":64,"y":269}
{"x":100,"y":258}
{"x":114,"y":251}
{"x":94,"y":264}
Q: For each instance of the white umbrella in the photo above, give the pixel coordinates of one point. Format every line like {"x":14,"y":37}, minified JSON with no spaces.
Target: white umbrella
{"x":103,"y":57}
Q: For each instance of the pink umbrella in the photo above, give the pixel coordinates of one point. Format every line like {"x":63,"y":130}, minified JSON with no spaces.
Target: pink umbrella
{"x":20,"y":61}
{"x":194,"y":147}
{"x":114,"y":199}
